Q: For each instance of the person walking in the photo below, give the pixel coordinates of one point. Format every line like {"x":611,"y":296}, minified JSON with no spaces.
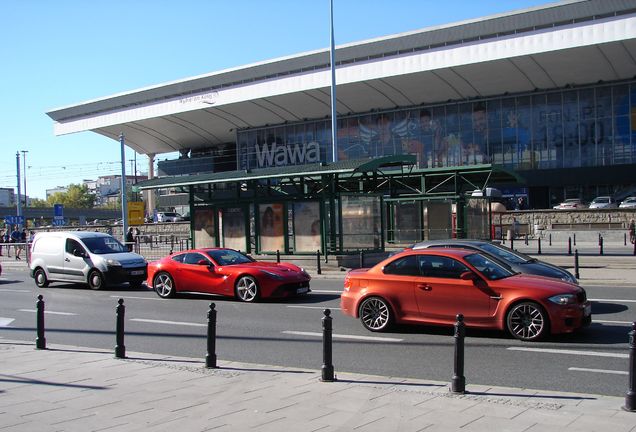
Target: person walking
{"x":7,"y":239}
{"x":15,"y":238}
{"x":130,"y":239}
{"x":632,"y":231}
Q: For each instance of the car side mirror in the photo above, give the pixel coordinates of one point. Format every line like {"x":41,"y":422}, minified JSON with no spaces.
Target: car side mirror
{"x":468,"y":275}
{"x":203,"y":262}
{"x":78,"y":253}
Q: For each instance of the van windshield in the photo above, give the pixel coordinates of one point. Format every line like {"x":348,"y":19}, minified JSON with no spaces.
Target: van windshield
{"x":104,"y":245}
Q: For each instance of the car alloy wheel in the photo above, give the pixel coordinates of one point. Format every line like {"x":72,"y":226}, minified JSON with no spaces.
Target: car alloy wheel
{"x":527,"y":321}
{"x":40,"y":278}
{"x":163,"y":284}
{"x":375,"y":314}
{"x":247,"y":289}
{"x":95,"y":280}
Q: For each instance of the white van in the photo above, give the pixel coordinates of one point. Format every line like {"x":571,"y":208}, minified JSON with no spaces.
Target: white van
{"x":92,"y":258}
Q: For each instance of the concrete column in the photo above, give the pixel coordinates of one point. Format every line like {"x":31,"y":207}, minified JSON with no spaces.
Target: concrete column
{"x":149,"y":195}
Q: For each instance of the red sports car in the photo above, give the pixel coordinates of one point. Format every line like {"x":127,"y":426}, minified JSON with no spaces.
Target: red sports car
{"x":225,"y":272}
{"x":432,"y":286}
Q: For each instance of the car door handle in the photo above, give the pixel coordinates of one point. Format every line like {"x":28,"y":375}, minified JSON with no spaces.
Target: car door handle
{"x":425,"y":287}
{"x":67,"y":260}
{"x":496,"y":297}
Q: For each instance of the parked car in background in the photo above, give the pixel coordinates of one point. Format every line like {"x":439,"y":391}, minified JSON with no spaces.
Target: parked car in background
{"x":432,"y":286}
{"x":603,"y":202}
{"x":571,"y":204}
{"x":629,"y":202}
{"x":517,"y":261}
{"x":225,"y":272}
{"x":169,"y":217}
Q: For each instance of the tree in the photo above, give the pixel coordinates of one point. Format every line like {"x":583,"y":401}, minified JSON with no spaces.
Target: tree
{"x":76,"y":196}
{"x":38,"y":203}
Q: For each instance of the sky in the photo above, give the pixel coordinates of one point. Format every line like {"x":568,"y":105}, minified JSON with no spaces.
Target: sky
{"x":65,"y":52}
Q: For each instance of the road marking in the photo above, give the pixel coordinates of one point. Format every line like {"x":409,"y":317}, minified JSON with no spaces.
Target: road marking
{"x":613,"y":300}
{"x":311,"y":307}
{"x":13,"y":290}
{"x":169,"y":322}
{"x":4,"y":322}
{"x":48,"y":312}
{"x":341,"y":336}
{"x":570,"y":352}
{"x":326,"y":291}
{"x":605,"y":371}
{"x":137,"y":298}
{"x":611,"y":322}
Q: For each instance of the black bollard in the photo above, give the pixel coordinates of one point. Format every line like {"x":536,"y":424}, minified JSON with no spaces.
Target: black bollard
{"x":327,"y":330}
{"x":40,"y":341}
{"x":550,"y":239}
{"x":635,"y":248}
{"x":120,"y":349}
{"x":600,"y":246}
{"x":361,"y":259}
{"x":458,"y":384}
{"x":630,"y":397}
{"x":277,"y":256}
{"x":318,"y":270}
{"x":625,"y":239}
{"x":512,"y":241}
{"x":526,"y":239}
{"x":576,"y":264}
{"x":539,"y":245}
{"x":569,"y":245}
{"x":210,"y":357}
{"x":574,"y":242}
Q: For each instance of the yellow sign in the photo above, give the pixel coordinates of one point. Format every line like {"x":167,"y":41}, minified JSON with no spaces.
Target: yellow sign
{"x":136,"y":213}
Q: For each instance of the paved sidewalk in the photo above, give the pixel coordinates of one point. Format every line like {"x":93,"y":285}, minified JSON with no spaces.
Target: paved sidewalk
{"x":67,"y":388}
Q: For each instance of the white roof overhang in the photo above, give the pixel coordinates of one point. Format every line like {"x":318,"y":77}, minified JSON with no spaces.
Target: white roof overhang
{"x":207,"y":110}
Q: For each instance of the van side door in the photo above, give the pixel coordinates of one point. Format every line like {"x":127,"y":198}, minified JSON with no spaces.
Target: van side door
{"x":76,"y":261}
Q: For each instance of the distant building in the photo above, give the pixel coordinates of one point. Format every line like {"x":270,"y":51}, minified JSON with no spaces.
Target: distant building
{"x":107,"y":188}
{"x":7,"y":197}
{"x":55,"y":190}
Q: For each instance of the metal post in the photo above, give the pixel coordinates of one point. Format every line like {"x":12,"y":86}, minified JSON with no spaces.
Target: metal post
{"x":574,"y":242}
{"x":327,"y":330}
{"x":512,"y":241}
{"x":625,"y":239}
{"x":124,"y":197}
{"x":318,"y":262}
{"x":40,"y":341}
{"x":576,"y":264}
{"x":600,"y":245}
{"x":539,"y":245}
{"x":277,"y":256}
{"x":361,"y":259}
{"x":569,"y":245}
{"x":120,"y":349}
{"x":334,"y":112}
{"x":630,"y":397}
{"x":550,"y":240}
{"x":458,"y":384}
{"x":635,"y":248}
{"x":210,"y":357}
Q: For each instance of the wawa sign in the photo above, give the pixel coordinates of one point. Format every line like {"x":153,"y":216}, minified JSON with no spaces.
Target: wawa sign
{"x":269,"y":155}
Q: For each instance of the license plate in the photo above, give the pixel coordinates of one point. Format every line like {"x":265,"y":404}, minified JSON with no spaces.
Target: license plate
{"x":136,"y":272}
{"x":588,"y":310}
{"x":302,"y":290}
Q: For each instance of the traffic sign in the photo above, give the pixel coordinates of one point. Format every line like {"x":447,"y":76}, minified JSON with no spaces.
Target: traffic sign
{"x":14,"y":220}
{"x":59,"y":222}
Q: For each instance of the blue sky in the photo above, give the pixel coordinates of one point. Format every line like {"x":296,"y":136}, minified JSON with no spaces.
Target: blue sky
{"x":59,"y":53}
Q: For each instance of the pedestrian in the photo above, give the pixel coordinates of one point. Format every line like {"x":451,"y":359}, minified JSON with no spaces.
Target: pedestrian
{"x":130,"y":239}
{"x":7,"y":239}
{"x":632,"y":231}
{"x":1,"y":240}
{"x":16,"y":236}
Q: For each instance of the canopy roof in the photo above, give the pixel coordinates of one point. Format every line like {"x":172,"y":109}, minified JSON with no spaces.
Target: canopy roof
{"x":549,"y":47}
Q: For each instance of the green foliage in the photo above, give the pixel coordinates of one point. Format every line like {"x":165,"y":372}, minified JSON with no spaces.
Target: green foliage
{"x":77,"y":196}
{"x":38,"y":203}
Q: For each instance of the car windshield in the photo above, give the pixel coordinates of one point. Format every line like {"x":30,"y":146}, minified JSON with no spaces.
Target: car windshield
{"x":505,"y":254}
{"x":225,"y":257}
{"x":104,"y":245}
{"x":488,"y":267}
{"x":601,"y":200}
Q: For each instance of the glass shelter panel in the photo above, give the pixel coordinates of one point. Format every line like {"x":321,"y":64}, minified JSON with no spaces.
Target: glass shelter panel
{"x":233,"y":226}
{"x":361,"y":222}
{"x":204,"y":227}
{"x":307,"y":237}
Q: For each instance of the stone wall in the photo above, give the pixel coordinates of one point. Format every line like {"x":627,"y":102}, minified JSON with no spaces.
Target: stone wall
{"x":565,"y":219}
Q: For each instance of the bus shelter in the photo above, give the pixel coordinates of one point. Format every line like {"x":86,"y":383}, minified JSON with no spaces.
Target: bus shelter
{"x":337,"y":207}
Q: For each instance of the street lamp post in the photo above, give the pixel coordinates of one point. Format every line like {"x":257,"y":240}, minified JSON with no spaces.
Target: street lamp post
{"x":24,"y":152}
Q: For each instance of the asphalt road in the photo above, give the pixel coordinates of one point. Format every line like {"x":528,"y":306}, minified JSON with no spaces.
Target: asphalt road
{"x":288,"y":333}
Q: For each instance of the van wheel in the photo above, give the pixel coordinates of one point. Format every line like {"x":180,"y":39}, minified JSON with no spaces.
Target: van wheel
{"x":40,"y":278}
{"x":95,"y":280}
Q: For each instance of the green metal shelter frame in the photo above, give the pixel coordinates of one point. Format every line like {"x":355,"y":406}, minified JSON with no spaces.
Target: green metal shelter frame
{"x":391,"y":178}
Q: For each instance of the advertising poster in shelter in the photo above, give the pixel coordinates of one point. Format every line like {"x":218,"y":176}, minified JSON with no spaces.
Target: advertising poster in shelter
{"x":361,"y":225}
{"x":204,"y":231}
{"x":271,"y":227}
{"x":307,"y":227}
{"x":233,"y":222}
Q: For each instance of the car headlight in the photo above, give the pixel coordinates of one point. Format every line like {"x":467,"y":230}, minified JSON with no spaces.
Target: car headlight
{"x":569,"y":278}
{"x":112,"y":262}
{"x":304,"y":272}
{"x":272,"y":275}
{"x":563,"y":299}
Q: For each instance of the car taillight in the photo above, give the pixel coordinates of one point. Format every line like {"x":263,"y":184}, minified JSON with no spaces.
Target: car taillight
{"x":347,"y":283}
